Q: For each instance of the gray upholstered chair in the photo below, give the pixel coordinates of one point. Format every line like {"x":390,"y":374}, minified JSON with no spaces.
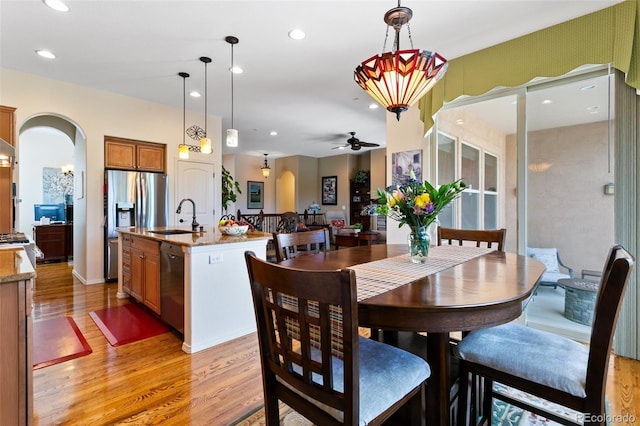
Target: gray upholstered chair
{"x":313,"y":359}
{"x":551,"y":260}
{"x":549,"y":366}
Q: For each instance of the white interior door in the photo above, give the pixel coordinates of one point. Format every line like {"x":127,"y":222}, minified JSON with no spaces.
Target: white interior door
{"x":195,"y":181}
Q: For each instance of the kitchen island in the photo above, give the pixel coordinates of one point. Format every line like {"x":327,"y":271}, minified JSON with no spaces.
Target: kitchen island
{"x":217,"y":298}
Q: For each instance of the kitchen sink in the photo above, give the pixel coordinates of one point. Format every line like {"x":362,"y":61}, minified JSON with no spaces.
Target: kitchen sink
{"x":172,"y":231}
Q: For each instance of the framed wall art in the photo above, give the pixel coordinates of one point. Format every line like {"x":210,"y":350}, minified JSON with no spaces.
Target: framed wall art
{"x":330,"y":190}
{"x":255,"y":195}
{"x":402,"y":163}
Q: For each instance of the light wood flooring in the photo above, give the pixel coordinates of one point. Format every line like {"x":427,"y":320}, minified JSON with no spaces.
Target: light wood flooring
{"x":154,"y":382}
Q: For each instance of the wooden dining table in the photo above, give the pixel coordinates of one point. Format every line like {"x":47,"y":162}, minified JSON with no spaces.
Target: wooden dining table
{"x":489,"y":289}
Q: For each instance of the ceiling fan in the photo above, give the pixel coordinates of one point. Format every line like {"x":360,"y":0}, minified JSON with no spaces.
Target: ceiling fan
{"x":355,"y":143}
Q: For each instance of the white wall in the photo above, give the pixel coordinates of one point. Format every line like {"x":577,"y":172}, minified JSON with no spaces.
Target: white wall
{"x":39,"y":147}
{"x":99,"y":113}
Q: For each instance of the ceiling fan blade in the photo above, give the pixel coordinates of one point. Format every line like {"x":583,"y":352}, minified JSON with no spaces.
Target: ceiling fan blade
{"x":368,"y":144}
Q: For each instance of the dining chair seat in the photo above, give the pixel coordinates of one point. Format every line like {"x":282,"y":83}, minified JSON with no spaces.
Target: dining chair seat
{"x":386,"y":375}
{"x":542,"y":357}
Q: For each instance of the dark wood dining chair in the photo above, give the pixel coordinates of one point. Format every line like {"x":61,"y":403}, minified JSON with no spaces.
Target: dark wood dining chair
{"x":313,"y":359}
{"x":549,"y":366}
{"x":288,"y":246}
{"x":488,"y":236}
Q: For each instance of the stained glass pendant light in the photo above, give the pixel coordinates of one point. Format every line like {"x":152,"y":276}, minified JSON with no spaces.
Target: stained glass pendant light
{"x":205,"y":142}
{"x":398,"y":79}
{"x":232,"y":133}
{"x":183,"y":148}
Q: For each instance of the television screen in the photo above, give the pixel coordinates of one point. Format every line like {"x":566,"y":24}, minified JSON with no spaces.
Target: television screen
{"x":55,"y":212}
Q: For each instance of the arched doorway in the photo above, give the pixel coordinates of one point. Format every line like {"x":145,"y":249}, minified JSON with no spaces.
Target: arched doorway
{"x":51,"y":165}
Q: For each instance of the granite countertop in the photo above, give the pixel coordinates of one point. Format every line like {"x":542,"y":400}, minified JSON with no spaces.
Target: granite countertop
{"x":15,"y":265}
{"x":209,"y":236}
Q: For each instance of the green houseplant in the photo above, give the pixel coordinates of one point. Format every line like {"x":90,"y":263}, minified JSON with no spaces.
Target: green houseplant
{"x":230,"y":189}
{"x":361,"y":177}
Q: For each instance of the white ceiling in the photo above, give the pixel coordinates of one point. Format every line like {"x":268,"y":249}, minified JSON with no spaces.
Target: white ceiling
{"x":304,"y":89}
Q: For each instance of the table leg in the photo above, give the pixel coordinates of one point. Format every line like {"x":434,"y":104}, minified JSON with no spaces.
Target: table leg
{"x":438,"y":387}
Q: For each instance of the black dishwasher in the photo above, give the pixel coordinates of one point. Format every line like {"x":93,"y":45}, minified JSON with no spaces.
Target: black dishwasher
{"x":172,"y":286}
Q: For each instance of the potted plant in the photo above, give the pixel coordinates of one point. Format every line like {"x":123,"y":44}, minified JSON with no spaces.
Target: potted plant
{"x":361,"y":177}
{"x":357,"y":227}
{"x":229,"y":189}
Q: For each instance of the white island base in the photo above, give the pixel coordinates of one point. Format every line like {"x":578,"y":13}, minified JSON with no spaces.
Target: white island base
{"x":217,"y":297}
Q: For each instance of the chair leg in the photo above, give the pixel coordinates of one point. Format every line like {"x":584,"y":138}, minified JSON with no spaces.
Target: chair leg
{"x":272,"y":412}
{"x":463,"y":396}
{"x":487,"y":400}
{"x":417,"y":407}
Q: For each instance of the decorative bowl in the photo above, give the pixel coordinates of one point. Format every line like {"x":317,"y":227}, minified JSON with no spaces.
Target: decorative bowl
{"x":234,"y":230}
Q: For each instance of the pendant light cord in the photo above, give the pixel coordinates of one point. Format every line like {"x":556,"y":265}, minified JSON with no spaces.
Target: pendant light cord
{"x":232,"y":87}
{"x":205,"y":99}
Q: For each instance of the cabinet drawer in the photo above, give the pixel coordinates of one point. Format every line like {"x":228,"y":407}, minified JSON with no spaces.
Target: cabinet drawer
{"x":126,"y":240}
{"x":147,"y":246}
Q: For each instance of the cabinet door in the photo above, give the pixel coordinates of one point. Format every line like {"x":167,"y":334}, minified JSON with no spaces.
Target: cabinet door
{"x":152,"y":282}
{"x":119,"y":155}
{"x":150,"y":158}
{"x":8,"y":124}
{"x":137,"y":274}
{"x":52,"y":240}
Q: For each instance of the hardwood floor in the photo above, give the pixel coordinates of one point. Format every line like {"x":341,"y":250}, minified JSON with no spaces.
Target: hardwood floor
{"x":154,"y":382}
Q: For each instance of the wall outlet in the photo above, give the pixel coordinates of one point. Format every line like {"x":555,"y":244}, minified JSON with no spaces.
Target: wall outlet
{"x":215,"y":258}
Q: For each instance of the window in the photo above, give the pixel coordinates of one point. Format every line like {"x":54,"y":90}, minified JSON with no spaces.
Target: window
{"x":446,"y":172}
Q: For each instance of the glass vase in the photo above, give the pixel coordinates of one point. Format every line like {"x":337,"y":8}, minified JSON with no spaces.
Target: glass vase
{"x":419,"y":240}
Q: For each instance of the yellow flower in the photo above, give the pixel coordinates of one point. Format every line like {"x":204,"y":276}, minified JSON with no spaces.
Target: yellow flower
{"x":396,"y":197}
{"x":422,"y":200}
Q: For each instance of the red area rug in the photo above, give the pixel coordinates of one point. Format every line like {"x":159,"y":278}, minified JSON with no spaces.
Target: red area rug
{"x":57,"y":340}
{"x":126,"y":324}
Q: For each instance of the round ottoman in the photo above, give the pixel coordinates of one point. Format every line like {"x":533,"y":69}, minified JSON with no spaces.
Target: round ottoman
{"x":579,"y":299}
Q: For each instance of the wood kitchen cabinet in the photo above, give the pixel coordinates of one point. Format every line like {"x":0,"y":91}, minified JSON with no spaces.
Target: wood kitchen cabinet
{"x":144,"y":283}
{"x":54,"y":240}
{"x":127,"y":154}
{"x":16,"y":386}
{"x":8,"y":133}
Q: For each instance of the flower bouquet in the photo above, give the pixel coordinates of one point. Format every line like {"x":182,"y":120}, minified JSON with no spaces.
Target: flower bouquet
{"x":417,"y":204}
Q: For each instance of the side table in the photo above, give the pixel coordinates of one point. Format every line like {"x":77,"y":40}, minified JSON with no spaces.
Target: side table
{"x":579,"y":299}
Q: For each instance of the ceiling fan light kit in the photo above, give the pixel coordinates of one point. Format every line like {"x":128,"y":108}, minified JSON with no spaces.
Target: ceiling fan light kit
{"x":398,"y":79}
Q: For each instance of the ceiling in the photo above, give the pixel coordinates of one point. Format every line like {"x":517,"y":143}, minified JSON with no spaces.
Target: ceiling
{"x":304,"y":90}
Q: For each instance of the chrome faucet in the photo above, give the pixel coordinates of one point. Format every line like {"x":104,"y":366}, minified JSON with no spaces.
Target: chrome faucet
{"x":194,"y":223}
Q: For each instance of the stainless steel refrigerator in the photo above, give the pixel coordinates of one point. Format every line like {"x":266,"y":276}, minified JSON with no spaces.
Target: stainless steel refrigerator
{"x":138,"y":199}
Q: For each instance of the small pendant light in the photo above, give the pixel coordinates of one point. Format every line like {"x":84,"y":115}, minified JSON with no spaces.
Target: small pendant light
{"x":183,"y":148}
{"x":232,"y":133}
{"x":205,"y":142}
{"x":266,"y":170}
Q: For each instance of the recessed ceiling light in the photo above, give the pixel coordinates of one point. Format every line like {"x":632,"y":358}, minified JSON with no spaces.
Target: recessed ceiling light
{"x":547,"y":102}
{"x":593,"y":108}
{"x":297,"y":34}
{"x":56,"y":5}
{"x":46,"y":54}
{"x":273,"y":133}
{"x":459,"y":121}
{"x":236,"y":69}
{"x":374,"y":106}
{"x":195,"y":94}
{"x":589,"y":87}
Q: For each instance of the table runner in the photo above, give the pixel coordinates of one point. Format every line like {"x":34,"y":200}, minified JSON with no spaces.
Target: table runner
{"x":379,"y":276}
